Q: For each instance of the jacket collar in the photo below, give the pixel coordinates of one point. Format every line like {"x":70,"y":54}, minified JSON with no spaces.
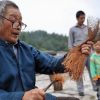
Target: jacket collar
{"x":4,"y":43}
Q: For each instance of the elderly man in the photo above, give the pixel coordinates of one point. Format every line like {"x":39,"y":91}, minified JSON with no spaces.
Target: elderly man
{"x":19,"y":61}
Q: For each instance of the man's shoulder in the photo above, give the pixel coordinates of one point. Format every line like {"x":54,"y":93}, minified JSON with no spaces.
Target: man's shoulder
{"x":73,"y":27}
{"x":27,"y":46}
{"x":24,"y":44}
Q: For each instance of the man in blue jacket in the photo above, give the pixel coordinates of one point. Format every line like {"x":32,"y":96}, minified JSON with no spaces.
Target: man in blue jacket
{"x":19,"y":61}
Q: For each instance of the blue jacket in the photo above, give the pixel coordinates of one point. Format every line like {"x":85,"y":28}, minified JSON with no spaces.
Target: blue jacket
{"x":17,"y":74}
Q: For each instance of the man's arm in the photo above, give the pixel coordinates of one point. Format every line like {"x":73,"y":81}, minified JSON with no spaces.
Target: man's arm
{"x":70,"y":39}
{"x":46,"y":63}
{"x":4,"y":95}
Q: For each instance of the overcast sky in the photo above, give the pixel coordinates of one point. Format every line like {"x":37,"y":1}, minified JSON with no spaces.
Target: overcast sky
{"x":55,"y":15}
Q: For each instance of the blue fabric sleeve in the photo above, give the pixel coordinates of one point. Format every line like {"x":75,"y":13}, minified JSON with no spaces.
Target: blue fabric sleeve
{"x":46,"y":63}
{"x":50,"y":97}
{"x":10,"y":95}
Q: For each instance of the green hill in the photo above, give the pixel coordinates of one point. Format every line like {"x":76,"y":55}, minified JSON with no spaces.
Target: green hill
{"x":44,"y":41}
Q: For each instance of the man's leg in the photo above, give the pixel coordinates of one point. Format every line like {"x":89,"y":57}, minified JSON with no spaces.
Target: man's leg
{"x":98,"y":89}
{"x":88,"y":68}
{"x":80,"y":87}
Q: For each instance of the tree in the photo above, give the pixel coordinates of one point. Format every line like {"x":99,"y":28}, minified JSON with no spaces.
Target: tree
{"x":45,"y":41}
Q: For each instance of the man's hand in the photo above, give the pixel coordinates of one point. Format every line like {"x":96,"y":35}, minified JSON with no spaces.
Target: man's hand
{"x":86,"y":48}
{"x":34,"y":94}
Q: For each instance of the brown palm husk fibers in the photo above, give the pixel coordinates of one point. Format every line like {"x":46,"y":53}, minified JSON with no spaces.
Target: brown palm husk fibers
{"x":58,"y":78}
{"x":74,"y":62}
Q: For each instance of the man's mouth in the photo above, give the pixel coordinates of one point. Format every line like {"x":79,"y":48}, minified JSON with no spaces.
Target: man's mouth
{"x":15,"y":33}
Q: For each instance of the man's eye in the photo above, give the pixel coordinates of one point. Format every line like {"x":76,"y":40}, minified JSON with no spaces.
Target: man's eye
{"x":12,"y":21}
{"x":12,"y":18}
{"x":20,"y":23}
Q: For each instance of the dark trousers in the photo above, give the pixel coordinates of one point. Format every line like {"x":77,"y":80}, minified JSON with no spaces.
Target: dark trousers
{"x":98,"y":88}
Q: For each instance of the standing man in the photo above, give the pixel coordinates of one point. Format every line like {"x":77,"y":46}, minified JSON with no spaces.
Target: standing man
{"x":77,"y":35}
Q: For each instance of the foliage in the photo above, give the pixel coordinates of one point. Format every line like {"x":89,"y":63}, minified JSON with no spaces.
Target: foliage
{"x":44,"y":41}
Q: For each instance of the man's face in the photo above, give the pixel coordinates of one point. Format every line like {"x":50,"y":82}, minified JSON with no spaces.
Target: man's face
{"x":8,"y":31}
{"x":81,"y":19}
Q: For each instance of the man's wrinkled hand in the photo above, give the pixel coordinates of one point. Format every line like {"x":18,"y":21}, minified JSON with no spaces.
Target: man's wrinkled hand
{"x":86,"y":48}
{"x":34,"y":94}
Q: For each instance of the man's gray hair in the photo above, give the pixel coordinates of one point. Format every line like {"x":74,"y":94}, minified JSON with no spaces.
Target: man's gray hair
{"x":3,"y":6}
